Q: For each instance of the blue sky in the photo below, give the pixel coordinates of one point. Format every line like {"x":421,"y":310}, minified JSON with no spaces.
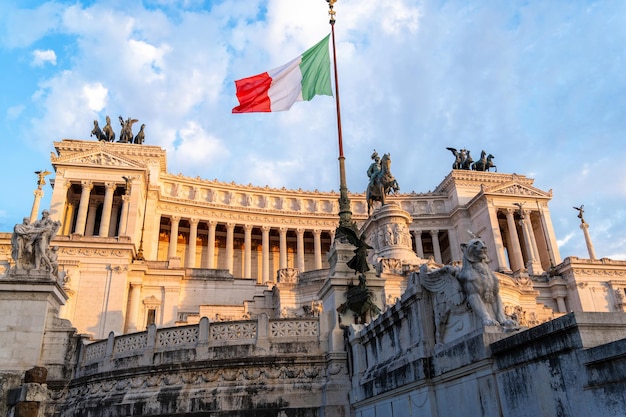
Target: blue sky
{"x":539,"y":84}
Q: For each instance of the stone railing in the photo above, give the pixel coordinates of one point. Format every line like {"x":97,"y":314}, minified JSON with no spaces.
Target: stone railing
{"x":203,"y":341}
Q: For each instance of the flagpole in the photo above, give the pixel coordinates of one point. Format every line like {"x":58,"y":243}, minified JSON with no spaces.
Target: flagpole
{"x":345,"y":214}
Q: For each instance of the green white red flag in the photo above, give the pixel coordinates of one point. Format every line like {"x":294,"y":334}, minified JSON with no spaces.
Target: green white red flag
{"x":277,"y":90}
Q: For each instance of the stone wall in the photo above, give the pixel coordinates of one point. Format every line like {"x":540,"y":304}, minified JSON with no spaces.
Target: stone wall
{"x":260,"y":367}
{"x":570,"y":366}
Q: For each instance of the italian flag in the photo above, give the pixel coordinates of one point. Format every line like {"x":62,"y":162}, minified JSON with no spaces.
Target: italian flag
{"x":298,"y":80}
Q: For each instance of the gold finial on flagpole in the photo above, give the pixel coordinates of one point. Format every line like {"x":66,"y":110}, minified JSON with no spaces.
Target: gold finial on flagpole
{"x":331,"y":12}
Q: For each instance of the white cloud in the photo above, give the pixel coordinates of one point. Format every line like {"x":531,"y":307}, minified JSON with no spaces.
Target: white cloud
{"x":41,"y":57}
{"x":96,"y":96}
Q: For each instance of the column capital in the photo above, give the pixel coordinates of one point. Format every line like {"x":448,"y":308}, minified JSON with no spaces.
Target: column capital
{"x":283,"y":229}
{"x":194,"y":221}
{"x":317,"y":232}
{"x":175,"y":218}
{"x":67,"y":184}
{"x":248,"y":227}
{"x":266,"y":228}
{"x":434,"y":232}
{"x":300,"y":231}
{"x":87,"y":184}
{"x":230,"y":226}
{"x":416,"y":232}
{"x":110,"y":186}
{"x":510,"y":211}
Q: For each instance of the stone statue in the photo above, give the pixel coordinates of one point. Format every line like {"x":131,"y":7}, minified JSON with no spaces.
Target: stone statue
{"x":30,"y":244}
{"x":140,"y":136}
{"x":480,"y":284}
{"x":22,"y":243}
{"x":484,"y":163}
{"x":473,"y":285}
{"x":109,"y":134}
{"x":462,"y":160}
{"x":126,"y":134}
{"x":381,"y":183}
{"x":97,"y":132}
{"x":448,"y":296}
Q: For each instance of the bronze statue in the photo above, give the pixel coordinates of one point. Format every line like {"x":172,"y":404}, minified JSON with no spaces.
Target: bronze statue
{"x":97,"y":132}
{"x":109,"y":134}
{"x":41,"y":175}
{"x":140,"y":135}
{"x":381,"y":183}
{"x":463,"y":159}
{"x":126,"y":134}
{"x":580,"y":212}
{"x":484,"y":163}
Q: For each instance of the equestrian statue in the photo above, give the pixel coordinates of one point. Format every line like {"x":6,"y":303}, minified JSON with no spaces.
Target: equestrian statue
{"x":382,"y":182}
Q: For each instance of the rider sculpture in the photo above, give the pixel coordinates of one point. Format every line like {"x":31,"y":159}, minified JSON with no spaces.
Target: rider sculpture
{"x":382,"y":182}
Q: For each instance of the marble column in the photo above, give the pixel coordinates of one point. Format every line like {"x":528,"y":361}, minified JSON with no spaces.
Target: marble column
{"x":124,"y":215}
{"x":436,"y":248}
{"x":83,"y":207}
{"x":105,"y":220}
{"x":265,"y":243}
{"x":115,"y":213}
{"x":68,"y":218}
{"x":91,"y":218}
{"x":134,"y":304}
{"x":283,"y":247}
{"x":35,"y":209}
{"x":455,"y":247}
{"x":247,"y":254}
{"x":419,"y":247}
{"x":190,"y":262}
{"x":211,"y":245}
{"x":230,"y":242}
{"x":173,"y":246}
{"x":585,"y":228}
{"x":534,"y":266}
{"x":300,"y":249}
{"x":517,"y":260}
{"x":317,"y":248}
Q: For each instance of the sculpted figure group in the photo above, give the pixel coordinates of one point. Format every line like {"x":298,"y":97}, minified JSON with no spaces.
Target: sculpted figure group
{"x":30,"y":244}
{"x":463,"y":160}
{"x":107,"y":134}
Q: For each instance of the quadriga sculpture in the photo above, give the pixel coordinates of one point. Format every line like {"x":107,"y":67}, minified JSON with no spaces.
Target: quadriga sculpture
{"x":457,"y":291}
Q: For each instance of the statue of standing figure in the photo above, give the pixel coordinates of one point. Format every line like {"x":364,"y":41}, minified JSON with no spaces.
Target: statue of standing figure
{"x":30,"y":244}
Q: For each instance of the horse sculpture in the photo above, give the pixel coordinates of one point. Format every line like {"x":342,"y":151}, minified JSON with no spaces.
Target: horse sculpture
{"x":97,"y":132}
{"x":484,"y":163}
{"x":381,"y":184}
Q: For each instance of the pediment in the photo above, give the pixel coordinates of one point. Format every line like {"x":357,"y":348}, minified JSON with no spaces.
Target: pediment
{"x":97,"y":157}
{"x":515,"y":188}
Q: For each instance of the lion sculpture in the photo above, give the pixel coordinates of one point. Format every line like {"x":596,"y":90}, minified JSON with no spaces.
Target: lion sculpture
{"x":455,"y":289}
{"x":481,"y":285}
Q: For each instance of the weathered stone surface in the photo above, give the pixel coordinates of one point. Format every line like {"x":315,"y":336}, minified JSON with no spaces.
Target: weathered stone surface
{"x":37,"y":375}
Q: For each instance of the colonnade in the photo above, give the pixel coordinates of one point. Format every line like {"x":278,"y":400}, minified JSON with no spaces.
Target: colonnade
{"x":222,"y":243}
{"x":523,"y":235}
{"x":82,"y":214}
